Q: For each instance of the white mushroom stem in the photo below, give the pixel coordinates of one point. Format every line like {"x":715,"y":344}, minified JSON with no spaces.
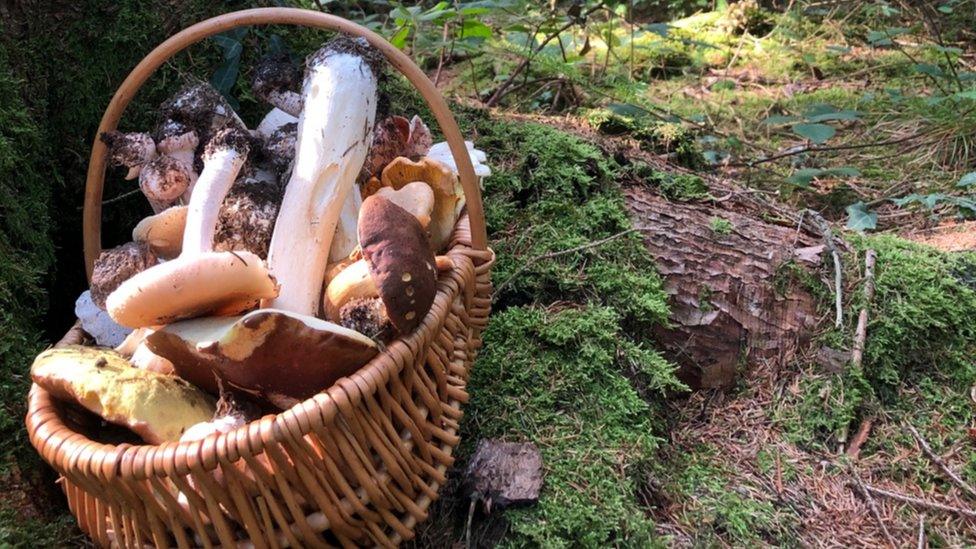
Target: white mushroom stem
{"x":221,"y":164}
{"x":346,"y":236}
{"x":334,"y":132}
{"x":288,"y":101}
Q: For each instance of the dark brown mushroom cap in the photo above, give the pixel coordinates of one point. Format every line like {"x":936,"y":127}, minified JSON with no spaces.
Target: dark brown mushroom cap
{"x":115,"y":266}
{"x":275,"y":72}
{"x":274,"y":355}
{"x":397,"y":249}
{"x":279,"y":149}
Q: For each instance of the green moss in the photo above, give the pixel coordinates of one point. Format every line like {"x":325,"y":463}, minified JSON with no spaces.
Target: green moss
{"x":724,"y":513}
{"x":921,"y":338}
{"x":720,"y":226}
{"x":556,"y":378}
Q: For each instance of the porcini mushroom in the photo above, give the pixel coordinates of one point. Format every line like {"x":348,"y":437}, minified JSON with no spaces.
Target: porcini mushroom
{"x":334,"y":132}
{"x":163,"y":232}
{"x":275,"y":79}
{"x":401,"y":269}
{"x":199,"y":281}
{"x":116,"y":265}
{"x":417,"y":198}
{"x":159,"y":408}
{"x":132,"y":150}
{"x":448,"y":194}
{"x":275,"y":355}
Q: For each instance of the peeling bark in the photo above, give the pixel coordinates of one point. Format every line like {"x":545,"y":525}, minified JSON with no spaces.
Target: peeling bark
{"x":732,"y":298}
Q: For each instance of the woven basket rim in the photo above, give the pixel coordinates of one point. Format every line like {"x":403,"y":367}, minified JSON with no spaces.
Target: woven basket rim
{"x":112,"y":460}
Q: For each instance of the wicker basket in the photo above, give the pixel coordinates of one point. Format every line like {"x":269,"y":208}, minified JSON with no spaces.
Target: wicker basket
{"x":358,"y":464}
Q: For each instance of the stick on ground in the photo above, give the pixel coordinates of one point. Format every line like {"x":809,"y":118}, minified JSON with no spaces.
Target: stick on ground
{"x":872,"y":505}
{"x":940,"y":463}
{"x":921,"y":503}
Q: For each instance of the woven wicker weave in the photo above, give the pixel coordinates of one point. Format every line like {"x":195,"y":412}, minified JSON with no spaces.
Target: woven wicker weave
{"x":358,"y":464}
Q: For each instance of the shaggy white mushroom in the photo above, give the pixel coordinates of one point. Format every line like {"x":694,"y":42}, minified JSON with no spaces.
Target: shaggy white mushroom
{"x":334,"y":133}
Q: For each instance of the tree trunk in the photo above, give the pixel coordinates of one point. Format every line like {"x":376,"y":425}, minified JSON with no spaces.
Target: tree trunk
{"x":736,"y":288}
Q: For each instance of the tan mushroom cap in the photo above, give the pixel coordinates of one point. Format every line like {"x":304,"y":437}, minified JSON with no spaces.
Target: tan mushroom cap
{"x":211,"y":283}
{"x":353,"y":282}
{"x":417,"y":198}
{"x":163,"y":232}
{"x":279,"y":356}
{"x":448,"y":194}
{"x":400,"y":260}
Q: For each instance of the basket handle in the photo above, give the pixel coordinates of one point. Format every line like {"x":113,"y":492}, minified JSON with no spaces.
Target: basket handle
{"x":92,"y":219}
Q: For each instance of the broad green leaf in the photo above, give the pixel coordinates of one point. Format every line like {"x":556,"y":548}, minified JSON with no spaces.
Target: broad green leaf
{"x":837,"y":115}
{"x":472,"y":28}
{"x":625,"y":109}
{"x":860,"y":219}
{"x":968,"y":94}
{"x":777,"y":119}
{"x":967,"y":180}
{"x":399,"y":38}
{"x":816,"y":133}
{"x":929,"y":69}
{"x":226,"y":74}
{"x":804,"y":176}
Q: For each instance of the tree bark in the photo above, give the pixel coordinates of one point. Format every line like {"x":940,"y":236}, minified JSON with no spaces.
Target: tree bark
{"x":733,"y":290}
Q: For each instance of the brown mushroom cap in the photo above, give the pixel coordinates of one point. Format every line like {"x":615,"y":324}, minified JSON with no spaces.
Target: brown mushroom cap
{"x":400,"y":260}
{"x":276,"y":355}
{"x":116,"y":265}
{"x":163,"y":232}
{"x":448,"y":194}
{"x":216,"y":283}
{"x":247,"y":217}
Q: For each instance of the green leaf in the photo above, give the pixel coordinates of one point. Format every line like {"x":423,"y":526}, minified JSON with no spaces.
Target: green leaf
{"x":472,"y":28}
{"x":967,"y":180}
{"x":929,"y":69}
{"x":399,"y":38}
{"x":778,"y":119}
{"x":817,"y":133}
{"x":839,"y":49}
{"x":626,"y":109}
{"x":836,"y":115}
{"x":968,"y":94}
{"x":226,"y":74}
{"x":803,"y":177}
{"x":860,"y":219}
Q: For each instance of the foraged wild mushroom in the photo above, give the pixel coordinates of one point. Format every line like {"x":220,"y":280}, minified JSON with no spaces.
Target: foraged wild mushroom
{"x":163,"y":232}
{"x":448,"y":194}
{"x":116,"y":265}
{"x":247,"y":217}
{"x":396,"y":136}
{"x":402,"y":274}
{"x":179,"y":142}
{"x":275,"y":119}
{"x":279,"y":148}
{"x":274,"y":355}
{"x":334,"y":132}
{"x":132,"y":150}
{"x":417,"y":198}
{"x":164,"y":180}
{"x":159,"y":408}
{"x":199,"y":281}
{"x":202,"y":108}
{"x":441,"y":152}
{"x":96,"y":322}
{"x":275,"y":79}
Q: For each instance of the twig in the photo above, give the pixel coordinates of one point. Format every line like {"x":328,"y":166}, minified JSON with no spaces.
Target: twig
{"x":121,"y":197}
{"x":503,"y":88}
{"x":549,"y":255}
{"x":872,"y":505}
{"x":860,"y":334}
{"x":794,"y":152}
{"x":921,"y":503}
{"x":467,"y":527}
{"x":940,"y":463}
{"x":860,"y":437}
{"x":921,"y":531}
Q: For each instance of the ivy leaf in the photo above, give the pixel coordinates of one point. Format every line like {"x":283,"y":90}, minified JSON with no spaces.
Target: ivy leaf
{"x":967,"y":180}
{"x":226,"y":74}
{"x":860,"y":219}
{"x":817,"y":133}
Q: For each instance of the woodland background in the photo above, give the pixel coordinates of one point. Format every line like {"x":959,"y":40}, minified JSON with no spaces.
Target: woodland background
{"x":673,"y":180}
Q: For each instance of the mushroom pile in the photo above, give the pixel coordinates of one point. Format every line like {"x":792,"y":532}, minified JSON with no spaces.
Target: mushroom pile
{"x":278,"y":259}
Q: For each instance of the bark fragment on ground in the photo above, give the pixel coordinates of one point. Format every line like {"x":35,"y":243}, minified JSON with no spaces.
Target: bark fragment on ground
{"x":503,"y":474}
